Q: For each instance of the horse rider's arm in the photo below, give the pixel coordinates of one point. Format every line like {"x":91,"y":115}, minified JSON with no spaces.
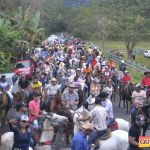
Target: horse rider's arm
{"x":45,"y":92}
{"x":132,"y":141}
{"x":31,"y":112}
{"x":85,"y":119}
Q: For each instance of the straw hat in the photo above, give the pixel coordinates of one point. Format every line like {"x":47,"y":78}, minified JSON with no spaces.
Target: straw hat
{"x":53,"y":79}
{"x":87,"y":126}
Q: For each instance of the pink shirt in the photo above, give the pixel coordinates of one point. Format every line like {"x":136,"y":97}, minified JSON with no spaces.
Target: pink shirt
{"x":34,"y":106}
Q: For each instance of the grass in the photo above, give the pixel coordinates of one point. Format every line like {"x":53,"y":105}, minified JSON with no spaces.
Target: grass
{"x":140,"y":59}
{"x":121,"y":44}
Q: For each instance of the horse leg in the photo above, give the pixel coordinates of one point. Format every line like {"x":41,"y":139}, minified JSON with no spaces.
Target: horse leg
{"x":127,"y":105}
{"x":67,"y":135}
{"x":120,"y":101}
{"x":124,"y":103}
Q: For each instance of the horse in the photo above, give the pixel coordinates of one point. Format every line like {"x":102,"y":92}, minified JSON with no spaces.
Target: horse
{"x":118,"y":124}
{"x":46,"y":138}
{"x":88,"y":81}
{"x":115,"y":86}
{"x":59,"y":108}
{"x":117,"y":141}
{"x":125,"y":92}
{"x":119,"y":138}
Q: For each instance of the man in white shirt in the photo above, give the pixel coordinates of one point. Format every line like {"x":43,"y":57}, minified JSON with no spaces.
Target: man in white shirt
{"x":98,"y":115}
{"x":71,"y":97}
{"x":50,"y":90}
{"x":107,"y":104}
{"x":138,"y":95}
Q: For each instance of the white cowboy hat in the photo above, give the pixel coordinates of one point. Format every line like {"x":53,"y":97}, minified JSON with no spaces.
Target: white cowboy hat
{"x":122,"y":61}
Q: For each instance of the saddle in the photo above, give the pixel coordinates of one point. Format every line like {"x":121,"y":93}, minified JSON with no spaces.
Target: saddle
{"x":113,"y":126}
{"x":106,"y":136}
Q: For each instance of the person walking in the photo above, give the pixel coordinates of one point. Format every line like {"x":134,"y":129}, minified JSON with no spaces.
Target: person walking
{"x":79,"y":141}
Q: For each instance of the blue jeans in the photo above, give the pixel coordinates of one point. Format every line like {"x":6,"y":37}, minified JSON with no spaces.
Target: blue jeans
{"x":95,"y":135}
{"x":109,"y":121}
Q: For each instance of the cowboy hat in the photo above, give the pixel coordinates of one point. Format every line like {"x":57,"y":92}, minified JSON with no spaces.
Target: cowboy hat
{"x":53,"y":79}
{"x":103,"y":95}
{"x":87,"y":126}
{"x":71,"y":85}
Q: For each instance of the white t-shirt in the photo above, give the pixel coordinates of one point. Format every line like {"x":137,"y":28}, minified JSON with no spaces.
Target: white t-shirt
{"x":53,"y":89}
{"x":109,"y":108}
{"x":108,"y":90}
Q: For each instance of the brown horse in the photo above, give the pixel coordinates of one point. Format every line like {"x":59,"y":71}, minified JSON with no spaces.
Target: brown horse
{"x":57,"y":107}
{"x":4,"y":108}
{"x":125,"y":92}
{"x":18,"y":97}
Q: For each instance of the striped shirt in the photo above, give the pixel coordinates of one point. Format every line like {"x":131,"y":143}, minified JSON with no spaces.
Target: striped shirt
{"x":98,"y":115}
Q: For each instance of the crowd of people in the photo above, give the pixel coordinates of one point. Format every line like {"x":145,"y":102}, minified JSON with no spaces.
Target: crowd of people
{"x":73,"y":67}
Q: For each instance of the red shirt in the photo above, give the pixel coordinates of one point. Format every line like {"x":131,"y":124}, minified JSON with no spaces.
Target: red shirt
{"x":34,"y":106}
{"x":145,"y":81}
{"x":126,"y":78}
{"x":94,"y":63}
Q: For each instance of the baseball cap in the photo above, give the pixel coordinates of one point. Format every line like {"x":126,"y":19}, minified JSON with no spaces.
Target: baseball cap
{"x":24,"y":118}
{"x":126,"y":71}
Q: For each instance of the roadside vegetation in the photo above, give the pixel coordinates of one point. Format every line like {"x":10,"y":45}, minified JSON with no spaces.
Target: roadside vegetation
{"x":115,"y":24}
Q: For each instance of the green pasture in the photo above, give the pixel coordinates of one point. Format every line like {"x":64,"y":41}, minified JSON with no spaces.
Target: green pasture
{"x":139,"y":59}
{"x":121,"y":44}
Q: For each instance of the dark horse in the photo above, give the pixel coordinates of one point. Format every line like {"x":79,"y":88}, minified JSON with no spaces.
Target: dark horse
{"x":4,"y":108}
{"x":125,"y":92}
{"x":57,"y":107}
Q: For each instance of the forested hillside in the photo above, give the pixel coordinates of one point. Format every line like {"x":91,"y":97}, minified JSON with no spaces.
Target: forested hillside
{"x":24,"y":23}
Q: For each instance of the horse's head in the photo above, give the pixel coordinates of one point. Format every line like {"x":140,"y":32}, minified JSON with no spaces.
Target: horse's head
{"x":58,"y":95}
{"x":53,"y":119}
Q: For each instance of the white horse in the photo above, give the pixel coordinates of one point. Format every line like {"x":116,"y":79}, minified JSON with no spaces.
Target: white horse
{"x":81,"y":112}
{"x":118,"y":141}
{"x":47,"y":133}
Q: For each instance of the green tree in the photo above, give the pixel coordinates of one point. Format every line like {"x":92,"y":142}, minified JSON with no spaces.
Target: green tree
{"x":8,"y":35}
{"x":130,"y":18}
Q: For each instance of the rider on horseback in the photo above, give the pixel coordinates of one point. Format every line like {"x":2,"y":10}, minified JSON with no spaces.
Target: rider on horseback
{"x":146,"y":80}
{"x":4,"y":87}
{"x":98,"y":115}
{"x":24,"y":85}
{"x":71,"y":97}
{"x":126,"y":78}
{"x":52,"y":88}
